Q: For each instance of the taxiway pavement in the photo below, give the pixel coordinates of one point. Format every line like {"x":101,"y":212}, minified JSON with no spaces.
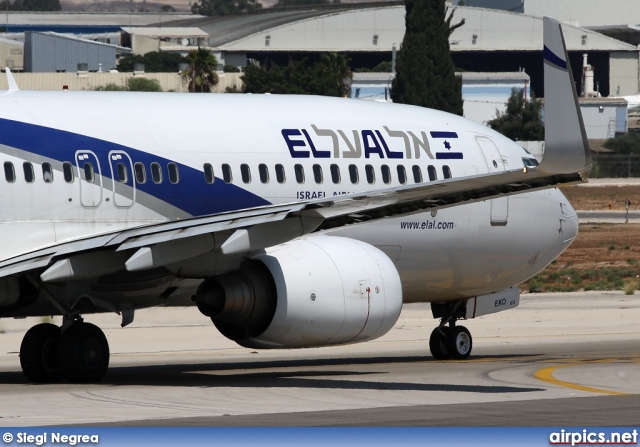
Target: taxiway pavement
{"x":558,"y":359}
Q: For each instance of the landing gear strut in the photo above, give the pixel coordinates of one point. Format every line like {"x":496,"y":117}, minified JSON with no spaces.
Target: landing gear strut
{"x":449,"y":342}
{"x":78,"y":352}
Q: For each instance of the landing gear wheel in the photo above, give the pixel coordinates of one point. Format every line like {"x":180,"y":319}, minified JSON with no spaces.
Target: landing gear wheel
{"x":438,"y":343}
{"x":459,"y":342}
{"x":39,"y":353}
{"x":84,"y":353}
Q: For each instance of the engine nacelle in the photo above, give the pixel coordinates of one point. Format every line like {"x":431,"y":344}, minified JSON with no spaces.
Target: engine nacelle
{"x":318,"y":291}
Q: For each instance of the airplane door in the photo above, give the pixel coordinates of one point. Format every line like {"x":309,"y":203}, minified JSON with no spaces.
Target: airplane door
{"x":493,"y":157}
{"x":124,"y":186}
{"x":90,"y":178}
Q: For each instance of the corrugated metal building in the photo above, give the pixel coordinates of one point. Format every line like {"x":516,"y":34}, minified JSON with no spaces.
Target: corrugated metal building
{"x":52,"y":52}
{"x":604,"y":117}
{"x":587,"y":12}
{"x":11,"y":54}
{"x":143,"y":40}
{"x":483,"y":93}
{"x":490,"y":40}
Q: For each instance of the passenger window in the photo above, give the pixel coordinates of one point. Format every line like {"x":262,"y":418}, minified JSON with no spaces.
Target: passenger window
{"x":264,"y":173}
{"x":47,"y":172}
{"x":433,"y":175}
{"x":353,"y":174}
{"x":417,"y":174}
{"x":371,"y":175}
{"x":156,"y":173}
{"x":29,"y":175}
{"x":174,"y":174}
{"x":402,"y":175}
{"x":299,"y":170}
{"x":317,"y":173}
{"x":245,"y":172}
{"x":9,"y":172}
{"x":121,"y":169}
{"x":67,"y":170}
{"x":386,"y":174}
{"x":141,"y":173}
{"x":208,"y":173}
{"x":89,"y":176}
{"x":446,"y":171}
{"x":280,"y":177}
{"x":226,"y":173}
{"x":335,"y":173}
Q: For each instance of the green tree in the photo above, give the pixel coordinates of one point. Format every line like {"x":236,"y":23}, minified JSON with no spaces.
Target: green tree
{"x":154,"y":62}
{"x":522,"y":119}
{"x":31,"y":5}
{"x":628,"y":143}
{"x":285,"y":3}
{"x":201,"y":73}
{"x":134,"y":84}
{"x":425,"y":72}
{"x":140,"y":84}
{"x":225,"y":7}
{"x":330,"y":76}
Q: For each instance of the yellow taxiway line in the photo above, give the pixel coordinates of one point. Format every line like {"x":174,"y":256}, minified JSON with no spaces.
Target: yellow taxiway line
{"x":546,"y":375}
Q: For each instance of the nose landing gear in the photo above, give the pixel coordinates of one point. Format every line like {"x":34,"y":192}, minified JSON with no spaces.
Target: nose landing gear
{"x":450,"y":342}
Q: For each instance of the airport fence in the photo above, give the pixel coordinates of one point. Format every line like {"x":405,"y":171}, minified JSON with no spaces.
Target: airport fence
{"x":615,"y":166}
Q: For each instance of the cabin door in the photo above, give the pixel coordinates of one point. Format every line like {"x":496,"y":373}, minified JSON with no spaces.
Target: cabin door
{"x":493,"y":157}
{"x":90,"y":177}
{"x":123,"y":183}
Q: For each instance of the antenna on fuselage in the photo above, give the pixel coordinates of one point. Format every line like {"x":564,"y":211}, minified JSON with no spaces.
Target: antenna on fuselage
{"x":13,"y":85}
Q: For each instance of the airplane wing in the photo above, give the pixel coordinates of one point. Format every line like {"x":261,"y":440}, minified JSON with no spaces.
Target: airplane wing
{"x":567,"y":160}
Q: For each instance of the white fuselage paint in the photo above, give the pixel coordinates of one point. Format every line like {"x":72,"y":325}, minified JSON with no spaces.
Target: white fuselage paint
{"x":450,"y":254}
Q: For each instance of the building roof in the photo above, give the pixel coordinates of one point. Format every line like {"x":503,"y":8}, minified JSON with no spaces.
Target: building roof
{"x":89,"y":19}
{"x":227,"y":29}
{"x":118,"y":48}
{"x":379,"y":28}
{"x":603,"y":101}
{"x":587,"y":12}
{"x":165,"y":31}
{"x":467,"y":76}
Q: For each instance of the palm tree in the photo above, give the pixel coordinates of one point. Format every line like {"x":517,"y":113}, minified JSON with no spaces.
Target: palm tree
{"x":336,"y":67}
{"x":201,"y":73}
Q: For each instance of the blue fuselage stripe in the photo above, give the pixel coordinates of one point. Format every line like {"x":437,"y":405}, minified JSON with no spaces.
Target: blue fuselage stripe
{"x":191,"y":194}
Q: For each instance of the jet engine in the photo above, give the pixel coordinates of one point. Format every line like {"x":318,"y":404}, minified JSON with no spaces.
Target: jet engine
{"x":317,"y":291}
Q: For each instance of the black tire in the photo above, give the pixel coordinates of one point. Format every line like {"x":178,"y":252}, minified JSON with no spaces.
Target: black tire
{"x":459,"y":343}
{"x":438,"y":343}
{"x":39,"y":356}
{"x":84,"y":353}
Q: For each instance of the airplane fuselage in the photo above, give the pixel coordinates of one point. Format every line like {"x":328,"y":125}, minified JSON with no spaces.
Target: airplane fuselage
{"x":77,"y":164}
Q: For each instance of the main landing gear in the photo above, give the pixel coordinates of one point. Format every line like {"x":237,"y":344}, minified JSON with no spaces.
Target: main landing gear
{"x":78,"y":352}
{"x":449,"y":342}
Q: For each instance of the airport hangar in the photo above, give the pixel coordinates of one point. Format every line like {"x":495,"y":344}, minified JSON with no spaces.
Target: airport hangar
{"x":490,"y":41}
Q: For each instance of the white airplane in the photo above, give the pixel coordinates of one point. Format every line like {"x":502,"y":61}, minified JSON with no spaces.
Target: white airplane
{"x":290,"y":221}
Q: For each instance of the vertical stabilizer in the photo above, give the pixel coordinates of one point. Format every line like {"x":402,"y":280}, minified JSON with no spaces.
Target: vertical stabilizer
{"x":13,"y":85}
{"x":566,"y":145}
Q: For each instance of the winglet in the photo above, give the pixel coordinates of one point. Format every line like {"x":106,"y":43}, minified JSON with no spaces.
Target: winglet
{"x":13,"y":85}
{"x":566,"y":146}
